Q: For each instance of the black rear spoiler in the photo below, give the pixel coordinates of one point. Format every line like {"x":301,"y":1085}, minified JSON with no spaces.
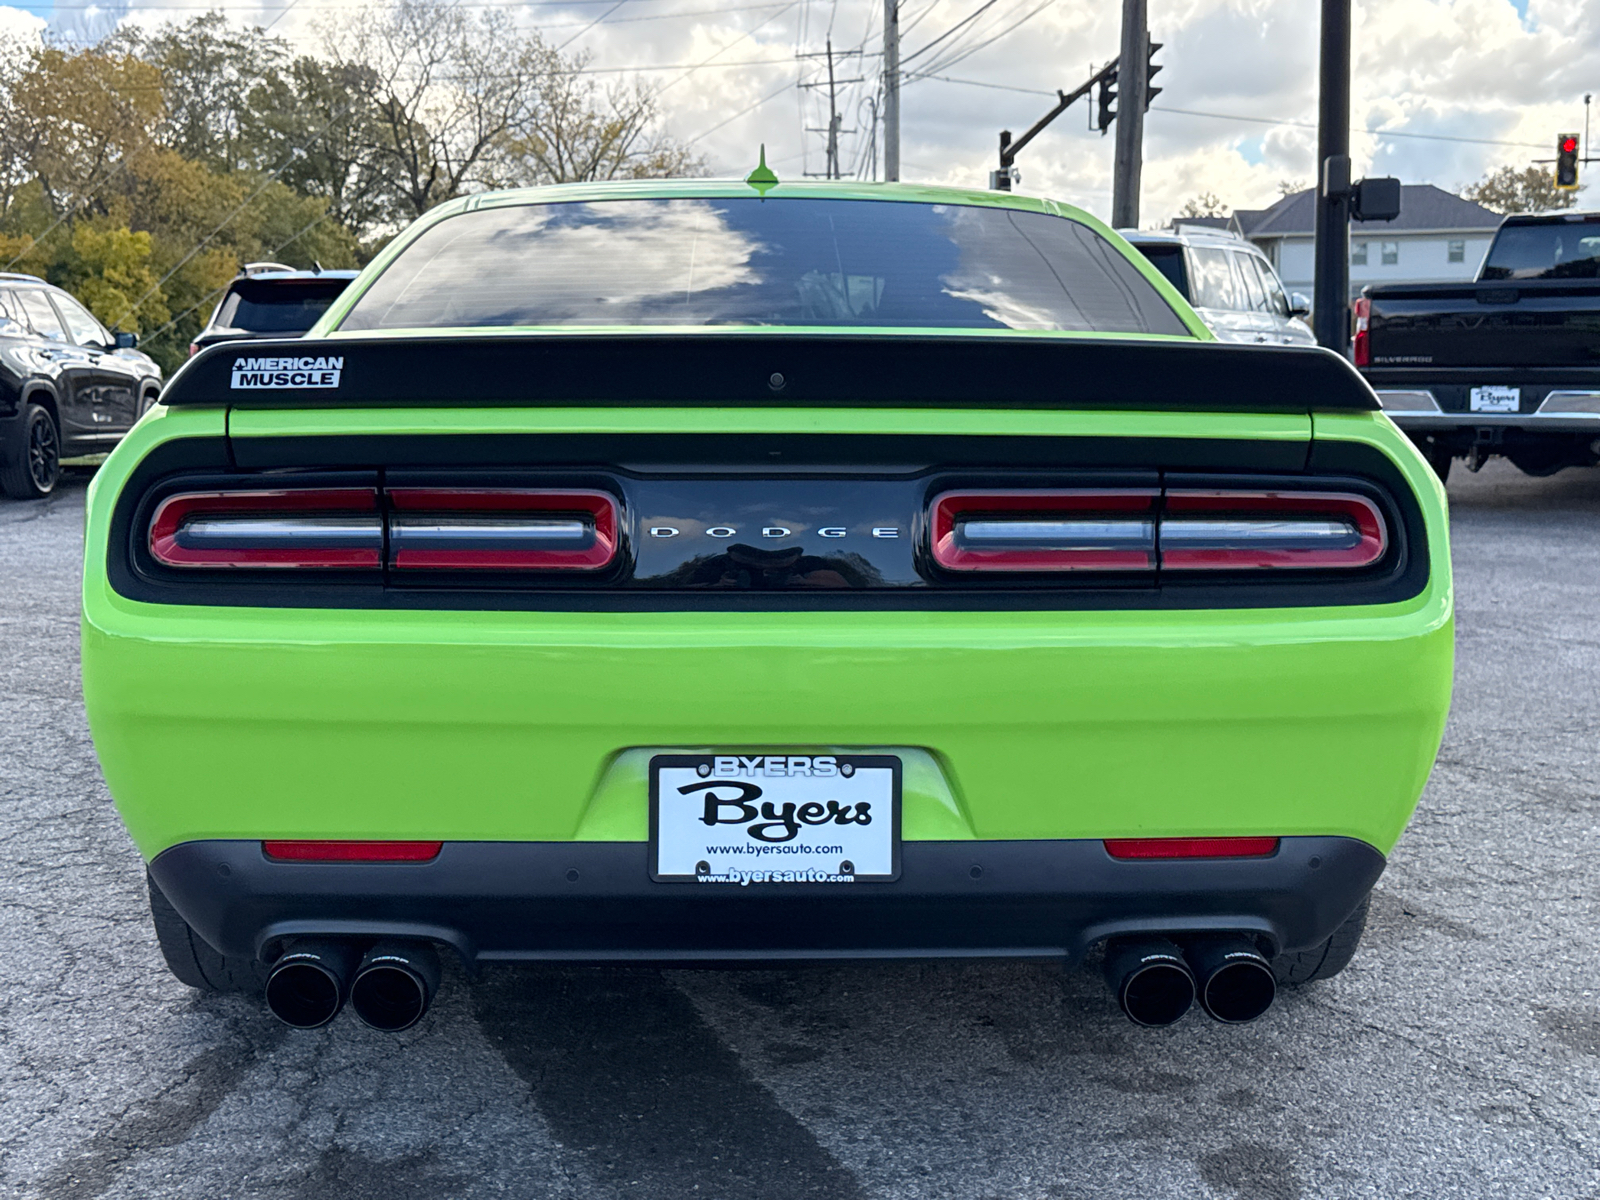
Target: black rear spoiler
{"x":806,"y":370}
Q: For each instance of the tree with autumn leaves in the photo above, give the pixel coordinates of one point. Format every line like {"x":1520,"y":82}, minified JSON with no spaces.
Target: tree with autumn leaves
{"x":141,"y":174}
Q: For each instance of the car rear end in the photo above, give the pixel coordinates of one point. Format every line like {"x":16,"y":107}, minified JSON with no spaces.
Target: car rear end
{"x":767,"y":645}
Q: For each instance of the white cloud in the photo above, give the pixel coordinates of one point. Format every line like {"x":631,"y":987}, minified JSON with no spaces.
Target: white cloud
{"x":1466,"y":69}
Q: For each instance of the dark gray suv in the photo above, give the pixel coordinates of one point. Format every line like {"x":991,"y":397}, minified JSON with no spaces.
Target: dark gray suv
{"x":67,"y":386}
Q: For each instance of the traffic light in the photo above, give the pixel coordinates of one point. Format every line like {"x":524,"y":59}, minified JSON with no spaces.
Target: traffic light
{"x":1567,"y":161}
{"x":1150,"y":91}
{"x":1108,"y":94}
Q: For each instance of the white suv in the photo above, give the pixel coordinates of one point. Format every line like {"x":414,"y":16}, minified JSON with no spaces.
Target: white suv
{"x":1230,"y":284}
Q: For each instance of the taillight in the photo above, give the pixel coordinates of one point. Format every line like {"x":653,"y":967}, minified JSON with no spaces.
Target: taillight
{"x":351,"y":851}
{"x":194,"y":348}
{"x":1141,"y":530}
{"x":501,"y":529}
{"x":1192,"y":847}
{"x":1227,"y":530}
{"x":1361,"y":351}
{"x":283,"y":528}
{"x":1039,"y":530}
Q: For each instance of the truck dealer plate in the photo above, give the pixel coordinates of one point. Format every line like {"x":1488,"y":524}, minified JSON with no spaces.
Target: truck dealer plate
{"x":1495,"y":399}
{"x":756,"y":819}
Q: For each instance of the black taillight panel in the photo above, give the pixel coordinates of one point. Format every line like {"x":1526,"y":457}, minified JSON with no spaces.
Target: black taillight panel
{"x":665,"y":533}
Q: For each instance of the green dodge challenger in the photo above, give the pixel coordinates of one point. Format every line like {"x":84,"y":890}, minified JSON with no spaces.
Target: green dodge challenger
{"x":716,"y":572}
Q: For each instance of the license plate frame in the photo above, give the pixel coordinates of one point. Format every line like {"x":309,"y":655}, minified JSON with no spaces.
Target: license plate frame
{"x":771,"y":858}
{"x":1494,"y":398}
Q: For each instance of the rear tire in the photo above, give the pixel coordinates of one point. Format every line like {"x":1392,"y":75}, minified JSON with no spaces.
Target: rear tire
{"x":30,"y":467}
{"x":1328,"y":959}
{"x":193,"y":961}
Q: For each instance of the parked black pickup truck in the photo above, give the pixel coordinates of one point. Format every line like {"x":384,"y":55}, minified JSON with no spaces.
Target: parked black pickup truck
{"x":1508,"y":364}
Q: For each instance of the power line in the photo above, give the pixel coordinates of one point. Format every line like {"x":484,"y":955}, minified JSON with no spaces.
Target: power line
{"x":947,"y":63}
{"x":956,"y":28}
{"x":707,"y":62}
{"x":1191,"y":112}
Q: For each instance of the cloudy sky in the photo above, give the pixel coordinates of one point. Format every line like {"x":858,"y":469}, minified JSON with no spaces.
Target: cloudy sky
{"x":1447,"y":88}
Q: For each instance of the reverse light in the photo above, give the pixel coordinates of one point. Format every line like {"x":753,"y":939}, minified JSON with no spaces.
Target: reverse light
{"x":1192,"y":847}
{"x":337,"y":528}
{"x":351,"y":851}
{"x":1227,"y":530}
{"x":501,"y":529}
{"x":1046,"y":530}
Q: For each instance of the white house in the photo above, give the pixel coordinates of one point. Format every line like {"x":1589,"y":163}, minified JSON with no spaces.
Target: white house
{"x":1437,"y":237}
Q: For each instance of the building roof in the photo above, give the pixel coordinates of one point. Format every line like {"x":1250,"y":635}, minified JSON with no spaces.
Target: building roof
{"x":1422,"y":206}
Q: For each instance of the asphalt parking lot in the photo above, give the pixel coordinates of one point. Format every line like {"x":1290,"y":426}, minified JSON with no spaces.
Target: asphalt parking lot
{"x":1459,"y":1055}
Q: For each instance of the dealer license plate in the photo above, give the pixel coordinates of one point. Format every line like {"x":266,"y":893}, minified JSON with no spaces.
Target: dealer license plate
{"x":1495,"y":399}
{"x":756,"y":819}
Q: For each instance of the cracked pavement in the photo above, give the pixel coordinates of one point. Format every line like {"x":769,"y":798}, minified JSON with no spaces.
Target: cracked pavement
{"x":1459,"y":1055}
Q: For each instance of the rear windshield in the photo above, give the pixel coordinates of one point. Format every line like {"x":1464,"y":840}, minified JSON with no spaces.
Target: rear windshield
{"x":774,"y":262}
{"x":1564,"y":251}
{"x":1168,"y":259}
{"x":261,"y":307}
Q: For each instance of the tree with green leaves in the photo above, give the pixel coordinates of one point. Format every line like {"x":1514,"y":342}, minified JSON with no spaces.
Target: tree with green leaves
{"x":1514,"y":190}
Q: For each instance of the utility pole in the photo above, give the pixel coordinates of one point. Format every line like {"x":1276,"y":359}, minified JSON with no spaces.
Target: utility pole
{"x":832,"y":128}
{"x":891,"y":90}
{"x":1132,"y":83}
{"x":1330,"y":311}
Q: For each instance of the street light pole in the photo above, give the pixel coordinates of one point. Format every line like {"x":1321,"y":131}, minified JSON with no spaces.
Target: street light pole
{"x":1330,"y":314}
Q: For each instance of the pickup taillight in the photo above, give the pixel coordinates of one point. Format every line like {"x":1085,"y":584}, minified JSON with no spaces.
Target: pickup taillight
{"x":1362,"y":349}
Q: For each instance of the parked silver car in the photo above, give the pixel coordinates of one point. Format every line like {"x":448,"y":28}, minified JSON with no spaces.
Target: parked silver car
{"x":1230,"y":284}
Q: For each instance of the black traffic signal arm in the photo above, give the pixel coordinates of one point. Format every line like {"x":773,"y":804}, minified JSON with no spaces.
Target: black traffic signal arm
{"x":1001,"y":179}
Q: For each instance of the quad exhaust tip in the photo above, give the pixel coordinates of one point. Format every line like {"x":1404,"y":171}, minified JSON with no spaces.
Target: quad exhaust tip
{"x":308,"y":982}
{"x":1151,"y":980}
{"x":1156,"y":983}
{"x":1236,"y":980}
{"x":395,"y":984}
{"x":390,"y":987}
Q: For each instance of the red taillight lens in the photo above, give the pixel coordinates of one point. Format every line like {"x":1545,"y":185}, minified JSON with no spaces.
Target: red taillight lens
{"x":340,"y":851}
{"x":194,"y":348}
{"x":307,"y":527}
{"x":1227,"y":530}
{"x":1192,"y":847}
{"x":1042,"y":530}
{"x":501,"y":529}
{"x":1361,"y":350}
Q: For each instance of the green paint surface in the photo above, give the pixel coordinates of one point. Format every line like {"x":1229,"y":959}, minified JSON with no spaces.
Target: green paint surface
{"x":294,"y":723}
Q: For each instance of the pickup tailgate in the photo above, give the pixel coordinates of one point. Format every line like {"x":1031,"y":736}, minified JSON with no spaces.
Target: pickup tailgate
{"x":1541,"y":323}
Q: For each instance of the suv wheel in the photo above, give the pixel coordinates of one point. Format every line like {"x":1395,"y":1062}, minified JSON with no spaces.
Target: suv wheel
{"x":31,"y":467}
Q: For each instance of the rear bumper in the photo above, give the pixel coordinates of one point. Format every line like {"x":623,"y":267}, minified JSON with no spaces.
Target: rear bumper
{"x":595,"y":902}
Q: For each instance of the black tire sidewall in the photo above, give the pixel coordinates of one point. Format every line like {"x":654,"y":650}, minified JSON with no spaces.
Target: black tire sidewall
{"x":16,"y":473}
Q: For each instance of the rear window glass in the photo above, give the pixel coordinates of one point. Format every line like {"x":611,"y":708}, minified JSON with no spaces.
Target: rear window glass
{"x":774,"y":262}
{"x":1565,"y":251}
{"x":277,"y":307}
{"x":1169,"y":261}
